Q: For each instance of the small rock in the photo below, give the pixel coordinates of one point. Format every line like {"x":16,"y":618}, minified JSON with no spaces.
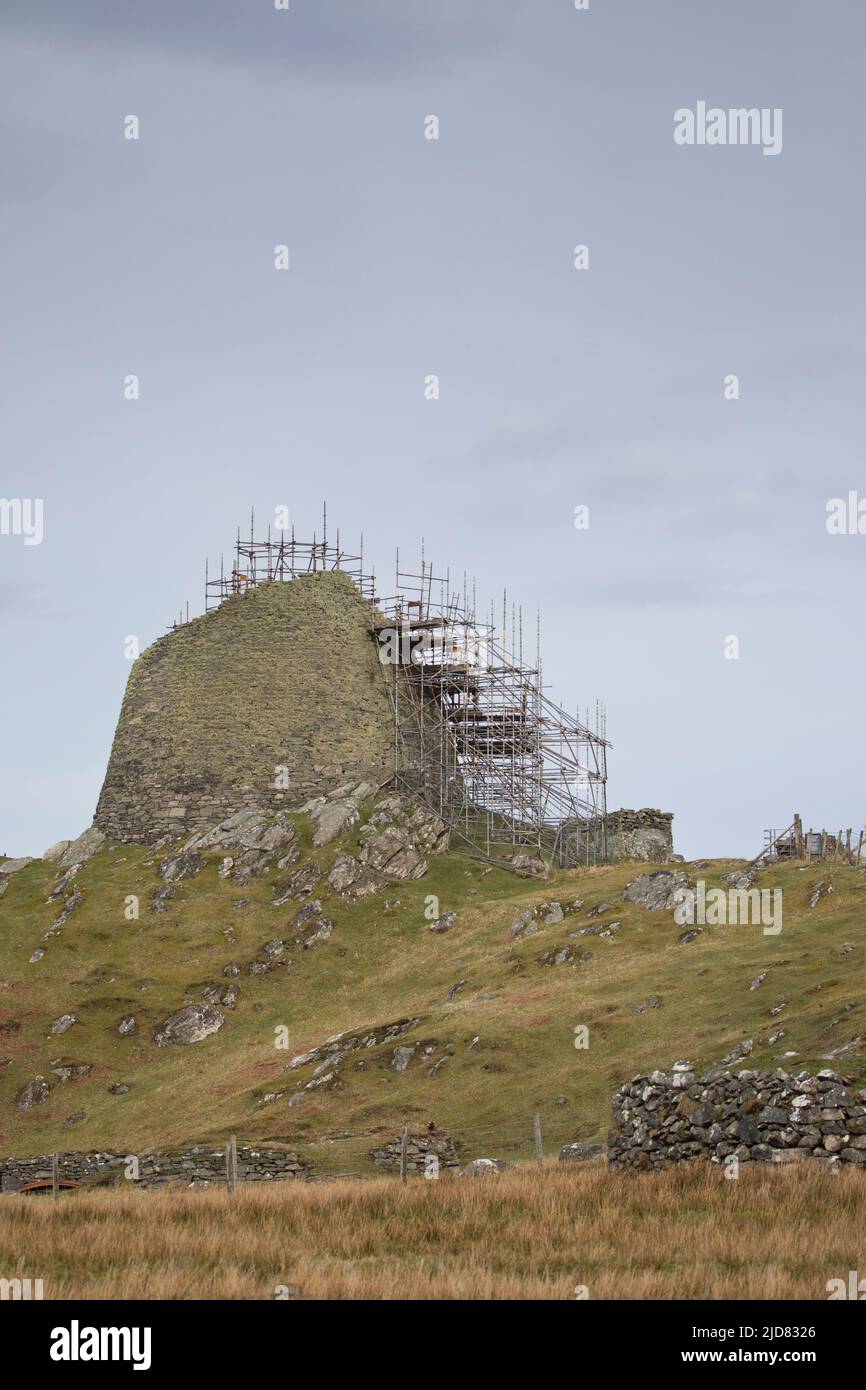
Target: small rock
{"x":444,"y":923}
{"x":63,"y":1023}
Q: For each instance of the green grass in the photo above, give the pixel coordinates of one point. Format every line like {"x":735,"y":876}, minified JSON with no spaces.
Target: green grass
{"x":382,"y":964}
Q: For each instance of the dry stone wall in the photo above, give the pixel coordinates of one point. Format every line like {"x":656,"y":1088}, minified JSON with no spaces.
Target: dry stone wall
{"x":667,"y":1117}
{"x":202,"y":1164}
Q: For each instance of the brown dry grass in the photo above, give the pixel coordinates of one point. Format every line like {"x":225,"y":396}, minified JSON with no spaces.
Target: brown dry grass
{"x":684,"y":1233}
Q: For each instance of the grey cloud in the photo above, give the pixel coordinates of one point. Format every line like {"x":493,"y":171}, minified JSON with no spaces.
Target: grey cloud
{"x":376,"y":36}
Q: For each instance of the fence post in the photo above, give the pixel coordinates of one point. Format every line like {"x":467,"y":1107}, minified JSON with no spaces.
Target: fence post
{"x":232,"y":1163}
{"x":55,"y":1177}
{"x":404,"y":1141}
{"x":539,"y":1153}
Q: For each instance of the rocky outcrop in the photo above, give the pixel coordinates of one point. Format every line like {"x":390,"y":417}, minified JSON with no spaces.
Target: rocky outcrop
{"x":332,"y":1052}
{"x":55,"y":851}
{"x":181,"y":866}
{"x":90,"y":842}
{"x":247,"y":829}
{"x":336,"y":813}
{"x":189,"y":1025}
{"x":656,"y":892}
{"x":668,"y":1117}
{"x":13,"y":866}
{"x":399,"y":836}
{"x":547,"y":914}
{"x":296,"y":886}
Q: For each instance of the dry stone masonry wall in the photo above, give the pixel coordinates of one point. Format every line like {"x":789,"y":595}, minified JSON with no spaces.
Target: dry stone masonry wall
{"x":199,"y":1165}
{"x":758,"y":1116}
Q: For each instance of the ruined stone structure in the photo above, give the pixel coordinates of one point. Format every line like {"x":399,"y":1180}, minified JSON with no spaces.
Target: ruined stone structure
{"x":645,"y":835}
{"x":757,"y":1116}
{"x":285,"y":675}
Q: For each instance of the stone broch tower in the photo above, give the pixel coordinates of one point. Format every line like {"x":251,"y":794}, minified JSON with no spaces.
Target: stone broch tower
{"x":285,"y":675}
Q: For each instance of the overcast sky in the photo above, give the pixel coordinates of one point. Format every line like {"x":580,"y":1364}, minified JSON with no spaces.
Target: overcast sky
{"x":408,"y":257}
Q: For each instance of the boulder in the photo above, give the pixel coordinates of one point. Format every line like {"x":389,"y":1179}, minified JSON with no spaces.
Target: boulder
{"x":482,"y":1167}
{"x":36,"y":1092}
{"x":579,"y":1153}
{"x":63,"y":1023}
{"x":402,"y":1057}
{"x":528,"y":865}
{"x":524,"y":925}
{"x":189,"y":1025}
{"x":317,"y":930}
{"x":444,"y":923}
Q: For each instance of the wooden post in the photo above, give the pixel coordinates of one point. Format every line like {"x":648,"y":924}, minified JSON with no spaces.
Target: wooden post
{"x":55,"y":1177}
{"x":232,"y":1163}
{"x":404,"y":1143}
{"x":809,"y":844}
{"x":848,"y":844}
{"x":539,"y":1152}
{"x":859,"y":848}
{"x":798,"y":837}
{"x":823,"y":844}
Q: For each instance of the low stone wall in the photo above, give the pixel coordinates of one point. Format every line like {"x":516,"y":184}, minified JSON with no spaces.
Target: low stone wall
{"x":758,"y":1116}
{"x":203,"y":1164}
{"x":418,"y":1148}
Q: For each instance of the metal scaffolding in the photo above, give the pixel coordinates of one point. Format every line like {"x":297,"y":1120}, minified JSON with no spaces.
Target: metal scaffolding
{"x":283,"y":557}
{"x":475,"y":736}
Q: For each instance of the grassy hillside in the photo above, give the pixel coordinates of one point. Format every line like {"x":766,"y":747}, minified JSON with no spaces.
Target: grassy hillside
{"x":508,"y":1033}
